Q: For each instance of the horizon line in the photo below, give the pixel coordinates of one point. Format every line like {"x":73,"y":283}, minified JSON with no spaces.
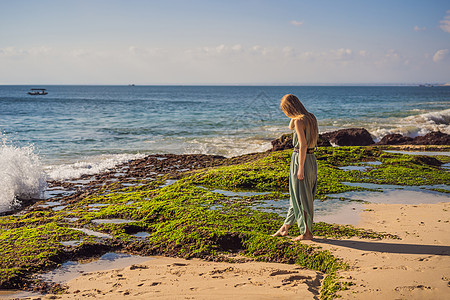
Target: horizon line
{"x":233,"y":84}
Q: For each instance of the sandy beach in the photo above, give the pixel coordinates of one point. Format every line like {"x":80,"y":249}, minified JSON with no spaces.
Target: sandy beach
{"x":415,"y":267}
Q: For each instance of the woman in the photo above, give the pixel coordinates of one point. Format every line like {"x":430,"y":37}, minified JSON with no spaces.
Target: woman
{"x":303,"y":170}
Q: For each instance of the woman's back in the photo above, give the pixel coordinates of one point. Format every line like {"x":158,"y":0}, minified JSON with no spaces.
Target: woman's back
{"x":307,"y":137}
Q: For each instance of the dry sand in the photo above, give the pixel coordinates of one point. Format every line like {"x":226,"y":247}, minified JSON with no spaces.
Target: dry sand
{"x":174,"y":278}
{"x":415,"y":267}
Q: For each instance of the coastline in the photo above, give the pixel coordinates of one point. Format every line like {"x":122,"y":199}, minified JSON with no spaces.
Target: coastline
{"x":415,"y":267}
{"x":123,"y":194}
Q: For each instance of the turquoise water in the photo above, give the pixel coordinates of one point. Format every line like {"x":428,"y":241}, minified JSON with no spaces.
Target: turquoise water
{"x":75,"y":122}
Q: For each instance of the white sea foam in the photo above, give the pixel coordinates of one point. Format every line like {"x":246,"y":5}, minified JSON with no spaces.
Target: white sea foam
{"x":21,"y":175}
{"x":89,"y":166}
{"x":436,"y":118}
{"x":414,"y":125}
{"x":227,"y":146}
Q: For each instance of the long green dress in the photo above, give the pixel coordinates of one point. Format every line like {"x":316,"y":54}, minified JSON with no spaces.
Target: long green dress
{"x":302,"y":192}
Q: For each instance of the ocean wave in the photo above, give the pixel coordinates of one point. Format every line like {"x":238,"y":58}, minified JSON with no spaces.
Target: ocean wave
{"x":412,"y":125}
{"x":415,"y":125}
{"x":227,"y":146}
{"x":431,"y":118}
{"x":21,"y":175}
{"x":89,"y":166}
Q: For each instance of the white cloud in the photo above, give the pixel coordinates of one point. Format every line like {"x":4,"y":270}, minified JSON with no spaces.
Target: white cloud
{"x":336,"y":55}
{"x":440,"y":55}
{"x":288,"y":51}
{"x":237,"y":48}
{"x":341,"y":54}
{"x":147,"y":52}
{"x":140,"y":63}
{"x":296,"y":23}
{"x":417,"y":28}
{"x":258,"y":50}
{"x":392,"y":54}
{"x":80,"y":53}
{"x":445,"y":23}
{"x":13,"y":52}
{"x":17,"y":53}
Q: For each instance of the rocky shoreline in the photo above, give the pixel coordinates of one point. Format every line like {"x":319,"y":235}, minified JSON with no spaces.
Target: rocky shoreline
{"x":174,"y":200}
{"x":361,"y":137}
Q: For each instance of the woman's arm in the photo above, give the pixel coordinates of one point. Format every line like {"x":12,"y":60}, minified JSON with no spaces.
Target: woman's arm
{"x":300,"y":129}
{"x":292,"y":124}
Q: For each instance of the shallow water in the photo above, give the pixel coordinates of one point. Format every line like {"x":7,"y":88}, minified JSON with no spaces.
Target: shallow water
{"x":93,"y":233}
{"x":234,"y":193}
{"x":72,"y":219}
{"x":50,"y":193}
{"x":108,"y":261}
{"x":366,"y":167}
{"x":17,"y":294}
{"x":112,"y":221}
{"x":347,"y":211}
{"x":59,"y":207}
{"x":427,"y":153}
{"x":354,"y":168}
{"x":141,"y":234}
{"x":168,"y":182}
{"x":384,"y":187}
{"x":72,"y":243}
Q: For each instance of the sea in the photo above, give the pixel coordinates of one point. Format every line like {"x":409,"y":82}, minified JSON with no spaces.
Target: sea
{"x":76,"y":130}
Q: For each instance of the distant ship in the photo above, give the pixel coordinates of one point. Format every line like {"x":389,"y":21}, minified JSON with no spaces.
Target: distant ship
{"x":35,"y":92}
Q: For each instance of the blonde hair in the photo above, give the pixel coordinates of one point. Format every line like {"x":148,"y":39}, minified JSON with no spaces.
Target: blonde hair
{"x":295,"y":110}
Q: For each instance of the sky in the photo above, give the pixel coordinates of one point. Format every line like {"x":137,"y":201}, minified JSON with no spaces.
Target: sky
{"x":224,"y":42}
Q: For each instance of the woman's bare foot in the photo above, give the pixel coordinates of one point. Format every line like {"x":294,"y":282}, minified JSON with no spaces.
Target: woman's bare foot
{"x":303,"y":237}
{"x":283,"y":231}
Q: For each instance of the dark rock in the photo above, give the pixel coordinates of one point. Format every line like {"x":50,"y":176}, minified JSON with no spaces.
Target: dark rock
{"x":285,"y":142}
{"x":395,"y":139}
{"x":230,"y":241}
{"x":282,"y":143}
{"x":432,"y":138}
{"x":427,"y":160}
{"x":349,"y":137}
{"x":322,"y":141}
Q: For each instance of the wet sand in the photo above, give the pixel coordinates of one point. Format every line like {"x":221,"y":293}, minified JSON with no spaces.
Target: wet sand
{"x":415,"y":267}
{"x":175,"y":278}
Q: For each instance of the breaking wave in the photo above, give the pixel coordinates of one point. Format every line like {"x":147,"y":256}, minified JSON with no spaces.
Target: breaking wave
{"x":90,"y":166}
{"x":413,"y":125}
{"x":21,"y":175}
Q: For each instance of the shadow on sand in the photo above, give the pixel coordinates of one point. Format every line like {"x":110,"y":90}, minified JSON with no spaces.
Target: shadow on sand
{"x":388,"y":247}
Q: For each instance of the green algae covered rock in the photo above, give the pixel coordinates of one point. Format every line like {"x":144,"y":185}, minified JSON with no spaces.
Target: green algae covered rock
{"x":192,"y":217}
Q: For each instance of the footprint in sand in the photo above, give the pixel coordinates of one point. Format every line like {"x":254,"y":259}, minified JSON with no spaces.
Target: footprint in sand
{"x":220,"y":271}
{"x":282,"y":272}
{"x":178,"y":265}
{"x":240,"y":284}
{"x":412,"y":287}
{"x":137,"y":267}
{"x":296,"y":278}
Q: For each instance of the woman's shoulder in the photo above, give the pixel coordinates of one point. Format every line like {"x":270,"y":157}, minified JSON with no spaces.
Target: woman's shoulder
{"x":299,"y":122}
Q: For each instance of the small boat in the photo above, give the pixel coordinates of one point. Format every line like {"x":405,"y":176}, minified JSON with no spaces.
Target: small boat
{"x":35,"y":92}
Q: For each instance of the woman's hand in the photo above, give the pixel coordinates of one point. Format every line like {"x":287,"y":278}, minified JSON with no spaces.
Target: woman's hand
{"x":300,"y":173}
